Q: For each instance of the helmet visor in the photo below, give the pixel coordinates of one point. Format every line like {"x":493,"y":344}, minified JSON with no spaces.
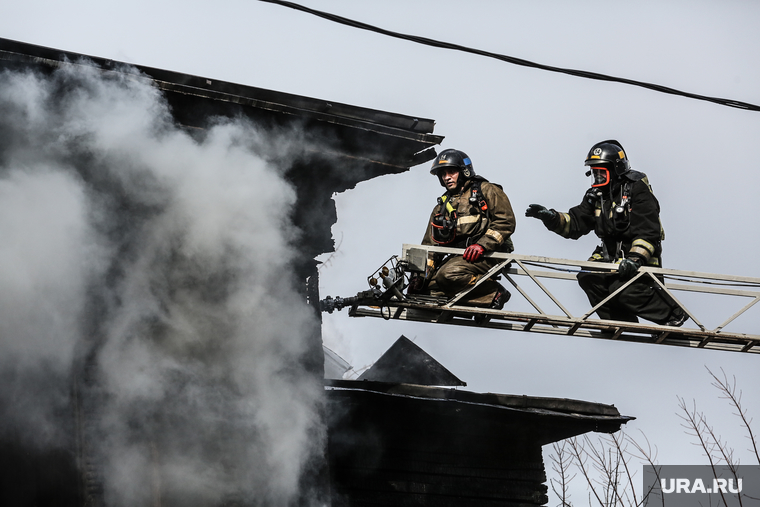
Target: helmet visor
{"x":601,"y":176}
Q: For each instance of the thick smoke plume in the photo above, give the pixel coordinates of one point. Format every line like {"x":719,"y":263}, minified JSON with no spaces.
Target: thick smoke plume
{"x":146,"y":282}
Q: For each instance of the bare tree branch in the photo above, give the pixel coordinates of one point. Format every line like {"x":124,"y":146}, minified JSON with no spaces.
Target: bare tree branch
{"x":726,"y":452}
{"x":605,"y":465}
{"x":730,"y":393}
{"x":581,"y":458}
{"x":622,"y":451}
{"x":561,"y":462}
{"x":651,"y":458}
{"x":696,"y":423}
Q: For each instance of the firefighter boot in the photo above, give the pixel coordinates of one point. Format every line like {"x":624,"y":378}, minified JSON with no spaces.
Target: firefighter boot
{"x":677,"y":317}
{"x":499,"y":300}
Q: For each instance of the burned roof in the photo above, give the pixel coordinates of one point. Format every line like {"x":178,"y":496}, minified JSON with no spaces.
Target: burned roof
{"x":386,"y":142}
{"x":402,"y":444}
{"x":553,"y":418}
{"x":406,"y":362}
{"x":337,"y":145}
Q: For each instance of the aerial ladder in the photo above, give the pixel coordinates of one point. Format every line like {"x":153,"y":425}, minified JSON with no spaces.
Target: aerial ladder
{"x":385,"y":298}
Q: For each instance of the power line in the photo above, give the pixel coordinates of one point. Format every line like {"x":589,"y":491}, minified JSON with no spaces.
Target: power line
{"x":510,"y":59}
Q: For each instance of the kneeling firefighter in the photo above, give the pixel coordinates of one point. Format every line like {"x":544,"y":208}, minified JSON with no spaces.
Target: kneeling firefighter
{"x":475,"y":215}
{"x":622,"y":210}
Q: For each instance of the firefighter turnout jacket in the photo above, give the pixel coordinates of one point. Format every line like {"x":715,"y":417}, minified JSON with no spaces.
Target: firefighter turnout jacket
{"x":479,"y":213}
{"x":625,"y":215}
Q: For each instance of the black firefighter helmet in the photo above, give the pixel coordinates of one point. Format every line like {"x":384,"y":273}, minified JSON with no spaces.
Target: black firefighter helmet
{"x":452,"y":158}
{"x":605,"y":156}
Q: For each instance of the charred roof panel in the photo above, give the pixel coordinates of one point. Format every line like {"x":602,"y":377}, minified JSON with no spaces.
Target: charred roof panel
{"x":406,"y":362}
{"x":338,"y":145}
{"x":391,"y":141}
{"x":399,"y":444}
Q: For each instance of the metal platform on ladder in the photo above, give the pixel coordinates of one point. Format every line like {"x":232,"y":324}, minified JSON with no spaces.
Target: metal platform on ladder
{"x":386,"y":300}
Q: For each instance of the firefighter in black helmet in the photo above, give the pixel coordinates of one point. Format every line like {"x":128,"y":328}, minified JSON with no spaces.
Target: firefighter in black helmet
{"x":624,"y":213}
{"x":473,"y":214}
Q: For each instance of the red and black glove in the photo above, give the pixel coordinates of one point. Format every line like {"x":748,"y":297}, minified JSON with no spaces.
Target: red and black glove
{"x":473,"y":253}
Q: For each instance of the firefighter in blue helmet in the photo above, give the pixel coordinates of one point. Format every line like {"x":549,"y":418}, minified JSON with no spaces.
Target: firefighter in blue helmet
{"x":473,"y":214}
{"x":622,"y":210}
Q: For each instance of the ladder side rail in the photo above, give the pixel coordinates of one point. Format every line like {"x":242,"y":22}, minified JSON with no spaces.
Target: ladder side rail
{"x":596,"y":266}
{"x":531,"y":322}
{"x":737,"y":314}
{"x":498,"y":267}
{"x":567,"y":276}
{"x":525,"y":271}
{"x":653,"y":331}
{"x":642,"y":332}
{"x":543,"y":274}
{"x":502,"y":255}
{"x":543,"y":288}
{"x":712,"y":290}
{"x":687,"y":287}
{"x":612,"y":295}
{"x":507,"y":258}
{"x":599,"y":266}
{"x":683,"y":307}
{"x":521,"y":263}
{"x":694,"y":287}
{"x":707,"y":276}
{"x":524,"y":294}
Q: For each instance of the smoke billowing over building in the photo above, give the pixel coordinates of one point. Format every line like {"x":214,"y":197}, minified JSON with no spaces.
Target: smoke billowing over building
{"x":159,"y":341}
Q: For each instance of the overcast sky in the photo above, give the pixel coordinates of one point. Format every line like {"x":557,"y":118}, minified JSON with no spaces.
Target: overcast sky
{"x":526,"y":129}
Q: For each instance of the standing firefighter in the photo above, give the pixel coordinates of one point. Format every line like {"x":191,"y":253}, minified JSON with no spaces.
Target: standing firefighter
{"x":475,"y":215}
{"x":622,"y":210}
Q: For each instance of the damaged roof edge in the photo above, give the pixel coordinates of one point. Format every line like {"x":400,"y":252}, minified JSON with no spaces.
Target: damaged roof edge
{"x":556,"y":406}
{"x":257,"y":97}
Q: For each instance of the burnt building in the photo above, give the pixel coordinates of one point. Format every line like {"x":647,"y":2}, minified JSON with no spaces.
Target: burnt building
{"x":484,"y":449}
{"x":410,"y":436}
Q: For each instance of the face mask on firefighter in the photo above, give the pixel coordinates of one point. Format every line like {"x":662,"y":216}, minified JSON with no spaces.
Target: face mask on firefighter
{"x":601,"y":176}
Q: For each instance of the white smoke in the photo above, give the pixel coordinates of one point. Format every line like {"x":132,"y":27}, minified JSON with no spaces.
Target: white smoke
{"x":153,"y":271}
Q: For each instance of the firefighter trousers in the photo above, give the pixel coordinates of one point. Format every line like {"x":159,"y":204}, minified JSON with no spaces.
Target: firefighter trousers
{"x":456,"y":274}
{"x":644,"y":298}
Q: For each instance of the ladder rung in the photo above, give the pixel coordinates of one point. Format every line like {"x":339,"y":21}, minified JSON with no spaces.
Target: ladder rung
{"x":662,"y":336}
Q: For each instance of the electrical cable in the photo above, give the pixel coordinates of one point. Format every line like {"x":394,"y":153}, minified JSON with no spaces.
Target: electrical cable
{"x":742,"y":285}
{"x":510,"y":59}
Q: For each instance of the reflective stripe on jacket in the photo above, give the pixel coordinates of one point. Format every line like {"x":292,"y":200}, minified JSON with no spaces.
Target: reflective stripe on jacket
{"x":637,"y":231}
{"x":491,"y":230}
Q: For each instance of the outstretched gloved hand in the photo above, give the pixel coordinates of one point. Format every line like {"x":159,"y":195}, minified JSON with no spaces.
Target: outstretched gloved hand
{"x":473,"y":253}
{"x":540,"y":212}
{"x":628,"y":267}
